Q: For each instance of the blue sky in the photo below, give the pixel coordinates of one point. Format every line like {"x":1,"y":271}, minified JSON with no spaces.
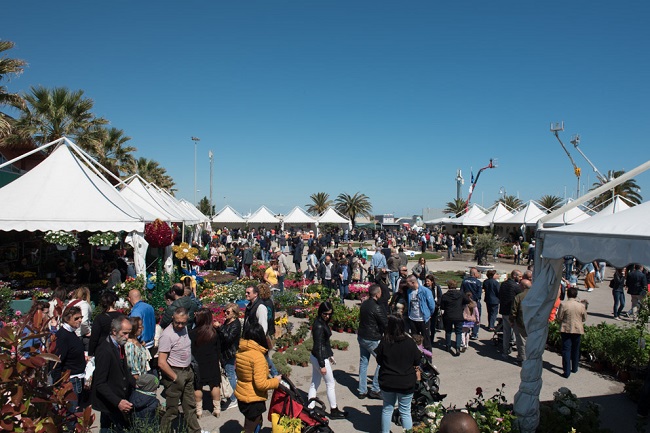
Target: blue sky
{"x":383,"y":97}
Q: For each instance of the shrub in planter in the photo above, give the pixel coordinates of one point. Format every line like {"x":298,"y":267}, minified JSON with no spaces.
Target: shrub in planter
{"x":567,"y":413}
{"x":339,"y":345}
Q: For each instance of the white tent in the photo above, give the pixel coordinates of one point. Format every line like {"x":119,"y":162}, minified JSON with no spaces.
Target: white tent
{"x":614,"y":206}
{"x":228,"y":216}
{"x":528,"y":216}
{"x":620,"y":239}
{"x":473,"y":217}
{"x":165,"y":200}
{"x":298,"y":216}
{"x":331,"y":216}
{"x":135,"y":191}
{"x":497,"y":214}
{"x":194,"y":210}
{"x":262,"y":216}
{"x":572,"y":216}
{"x":62,"y":193}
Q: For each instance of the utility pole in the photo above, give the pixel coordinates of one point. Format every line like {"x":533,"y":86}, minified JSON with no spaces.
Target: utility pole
{"x":196,"y":141}
{"x":211,"y":155}
{"x":459,"y":183}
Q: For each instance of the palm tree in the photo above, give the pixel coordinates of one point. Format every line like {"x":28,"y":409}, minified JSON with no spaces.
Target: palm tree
{"x":511,"y":202}
{"x":152,"y":172}
{"x":319,"y":203}
{"x":8,"y":68}
{"x":550,"y":202}
{"x":455,"y":207}
{"x":113,"y":153}
{"x":629,"y":190}
{"x":50,"y":114}
{"x":353,"y":205}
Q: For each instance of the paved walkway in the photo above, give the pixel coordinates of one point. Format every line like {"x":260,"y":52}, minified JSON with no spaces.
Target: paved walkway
{"x":481,"y":365}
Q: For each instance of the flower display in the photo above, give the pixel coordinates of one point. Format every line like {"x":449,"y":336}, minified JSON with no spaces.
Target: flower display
{"x":184,"y":251}
{"x":158,"y":234}
{"x":105,"y":239}
{"x":61,"y":238}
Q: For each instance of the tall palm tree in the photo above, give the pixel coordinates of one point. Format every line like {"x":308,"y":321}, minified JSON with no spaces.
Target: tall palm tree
{"x":550,"y":202}
{"x":151,"y":171}
{"x":455,"y":207}
{"x":50,"y":114}
{"x":511,"y":202}
{"x":113,"y":153}
{"x":8,"y":68}
{"x":320,"y":201}
{"x":353,"y":206}
{"x":629,"y":190}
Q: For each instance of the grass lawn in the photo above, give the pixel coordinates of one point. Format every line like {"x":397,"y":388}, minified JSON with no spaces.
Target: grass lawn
{"x":427,"y":256}
{"x":443,"y":276}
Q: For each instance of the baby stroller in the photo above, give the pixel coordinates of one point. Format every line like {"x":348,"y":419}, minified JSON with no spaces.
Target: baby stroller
{"x":287,"y":401}
{"x":426,"y":392}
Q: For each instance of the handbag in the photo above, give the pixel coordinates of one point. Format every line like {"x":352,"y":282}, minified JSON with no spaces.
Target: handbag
{"x":226,"y":388}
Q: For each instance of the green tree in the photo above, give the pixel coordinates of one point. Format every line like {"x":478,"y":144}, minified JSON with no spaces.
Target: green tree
{"x":113,"y":153}
{"x":511,"y":202}
{"x":353,"y":206}
{"x":8,"y":68}
{"x":320,"y":201}
{"x":455,"y":207}
{"x":152,"y":172}
{"x":629,"y":190}
{"x":49,"y":114}
{"x":204,"y":207}
{"x":550,"y":202}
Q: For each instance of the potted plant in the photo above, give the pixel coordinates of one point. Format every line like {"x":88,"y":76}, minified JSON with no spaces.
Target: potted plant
{"x":61,"y":239}
{"x":104,"y":240}
{"x":290,"y":425}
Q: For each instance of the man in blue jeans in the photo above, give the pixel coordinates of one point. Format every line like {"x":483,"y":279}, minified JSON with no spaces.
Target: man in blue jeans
{"x":473,"y":285}
{"x":372,"y":323}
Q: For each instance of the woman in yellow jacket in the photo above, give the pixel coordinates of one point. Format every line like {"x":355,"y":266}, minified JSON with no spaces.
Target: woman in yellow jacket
{"x":253,"y":381}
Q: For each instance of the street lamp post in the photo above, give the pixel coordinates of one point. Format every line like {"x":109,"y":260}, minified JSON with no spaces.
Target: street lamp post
{"x":196,"y":142}
{"x":211,"y":155}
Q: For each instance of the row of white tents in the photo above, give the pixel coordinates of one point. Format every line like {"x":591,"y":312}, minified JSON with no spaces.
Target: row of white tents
{"x":264,"y":217}
{"x":70,"y":191}
{"x":527,"y":216}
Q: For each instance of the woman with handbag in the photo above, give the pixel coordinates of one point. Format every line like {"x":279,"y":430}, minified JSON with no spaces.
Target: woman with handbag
{"x":229,"y":334}
{"x":421,"y":270}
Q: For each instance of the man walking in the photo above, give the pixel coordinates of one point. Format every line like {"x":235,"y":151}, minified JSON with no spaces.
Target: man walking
{"x":174,"y":359}
{"x":419,"y":308}
{"x":491,"y":289}
{"x":507,"y":292}
{"x":327,"y":272}
{"x":298,"y":246}
{"x":378,"y":264}
{"x":112,"y":379}
{"x":283,"y":268}
{"x":247,"y":259}
{"x":474,"y":286}
{"x":372,"y":323}
{"x":637,"y":287}
{"x":180,"y":300}
{"x":517,"y":321}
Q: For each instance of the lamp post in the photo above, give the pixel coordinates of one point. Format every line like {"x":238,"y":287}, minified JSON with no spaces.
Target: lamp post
{"x":196,"y":142}
{"x":211,"y":155}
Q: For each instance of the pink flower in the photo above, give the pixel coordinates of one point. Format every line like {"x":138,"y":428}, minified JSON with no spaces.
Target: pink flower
{"x":18,"y":313}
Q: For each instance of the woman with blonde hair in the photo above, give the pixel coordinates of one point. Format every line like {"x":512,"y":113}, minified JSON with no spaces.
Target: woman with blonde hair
{"x":205,"y":349}
{"x":81,"y":299}
{"x":229,"y":334}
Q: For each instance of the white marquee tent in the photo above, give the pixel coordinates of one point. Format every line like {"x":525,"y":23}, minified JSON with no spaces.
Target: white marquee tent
{"x":262,"y":216}
{"x":228,"y":216}
{"x":298,"y":216}
{"x":616,"y":205}
{"x":331,"y":216}
{"x":135,"y":191}
{"x":473,"y":217}
{"x":528,"y":216}
{"x":572,"y":216}
{"x":497,"y":214}
{"x":620,"y":239}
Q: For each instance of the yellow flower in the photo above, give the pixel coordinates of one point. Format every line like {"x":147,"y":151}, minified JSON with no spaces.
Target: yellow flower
{"x":184,"y":251}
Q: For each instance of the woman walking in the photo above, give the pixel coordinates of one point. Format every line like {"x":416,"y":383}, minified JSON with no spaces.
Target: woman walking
{"x":70,"y":349}
{"x":137,"y":356}
{"x":399,"y":357}
{"x":205,"y":349}
{"x":321,"y":359}
{"x":452,"y":316}
{"x":571,"y":315}
{"x":229,"y":334}
{"x":81,"y":299}
{"x":421,"y":270}
{"x":102,"y":324}
{"x":617,"y":284}
{"x":253,"y":383}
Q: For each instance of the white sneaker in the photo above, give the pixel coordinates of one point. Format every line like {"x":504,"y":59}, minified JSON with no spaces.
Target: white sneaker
{"x":231,"y":405}
{"x":590,"y":289}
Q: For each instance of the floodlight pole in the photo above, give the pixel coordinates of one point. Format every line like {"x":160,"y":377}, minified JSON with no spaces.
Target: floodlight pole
{"x":196,"y":141}
{"x":459,"y":182}
{"x":211,"y":155}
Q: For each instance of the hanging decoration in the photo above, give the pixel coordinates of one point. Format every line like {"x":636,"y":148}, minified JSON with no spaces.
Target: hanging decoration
{"x":158,"y":234}
{"x":185,"y":252}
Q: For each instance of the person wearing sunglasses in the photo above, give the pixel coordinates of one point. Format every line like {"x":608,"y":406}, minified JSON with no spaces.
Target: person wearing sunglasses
{"x":321,"y":359}
{"x":229,"y":334}
{"x":70,"y":349}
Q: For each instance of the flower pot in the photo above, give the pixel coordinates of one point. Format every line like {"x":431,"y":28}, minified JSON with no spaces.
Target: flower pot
{"x":61,"y":247}
{"x":349,"y":331}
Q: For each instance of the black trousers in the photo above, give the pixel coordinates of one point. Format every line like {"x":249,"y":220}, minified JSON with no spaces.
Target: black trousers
{"x":423,"y":329}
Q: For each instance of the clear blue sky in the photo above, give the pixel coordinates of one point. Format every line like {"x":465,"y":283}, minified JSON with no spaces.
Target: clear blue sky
{"x":384,"y":97}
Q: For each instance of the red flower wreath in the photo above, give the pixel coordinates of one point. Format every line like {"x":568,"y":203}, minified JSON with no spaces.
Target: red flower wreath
{"x":158,"y":234}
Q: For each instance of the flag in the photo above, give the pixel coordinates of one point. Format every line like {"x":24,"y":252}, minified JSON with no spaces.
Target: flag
{"x":471,"y":187}
{"x":472,"y":180}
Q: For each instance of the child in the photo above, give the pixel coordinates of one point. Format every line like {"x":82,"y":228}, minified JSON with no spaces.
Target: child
{"x":573,"y":279}
{"x":470,"y":317}
{"x":419,"y":340}
{"x":144,"y":399}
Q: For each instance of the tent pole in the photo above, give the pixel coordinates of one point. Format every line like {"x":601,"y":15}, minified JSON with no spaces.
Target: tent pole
{"x":31,"y":152}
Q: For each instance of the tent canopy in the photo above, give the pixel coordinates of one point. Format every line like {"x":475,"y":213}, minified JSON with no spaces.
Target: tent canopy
{"x":331,"y":216}
{"x":473,"y":217}
{"x":614,"y":206}
{"x":63,"y":193}
{"x":263,"y":216}
{"x":528,"y":215}
{"x":298,"y":216}
{"x":228,"y":215}
{"x":572,"y":216}
{"x":497,"y":214}
{"x":135,"y":191}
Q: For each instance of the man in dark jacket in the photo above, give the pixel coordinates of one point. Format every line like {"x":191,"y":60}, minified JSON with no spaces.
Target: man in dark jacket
{"x":491,"y":289}
{"x":372,"y":322}
{"x":637,"y":286}
{"x":473,"y":285}
{"x":247,"y":259}
{"x":507,"y":292}
{"x":298,"y":246}
{"x":112,"y":379}
{"x":178,"y":291}
{"x":452,"y":316}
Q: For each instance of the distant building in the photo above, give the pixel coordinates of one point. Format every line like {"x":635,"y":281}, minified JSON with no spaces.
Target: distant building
{"x":430,"y":213}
